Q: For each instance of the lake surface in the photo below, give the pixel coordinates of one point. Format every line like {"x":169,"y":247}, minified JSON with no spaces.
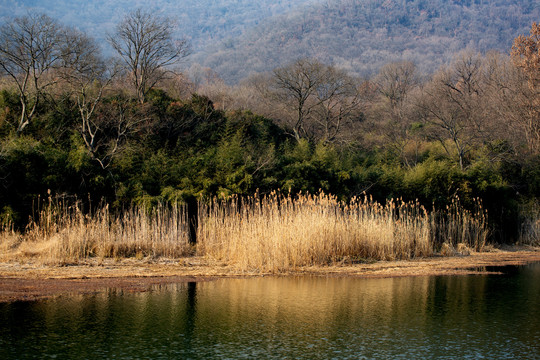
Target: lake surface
{"x":459,"y":317}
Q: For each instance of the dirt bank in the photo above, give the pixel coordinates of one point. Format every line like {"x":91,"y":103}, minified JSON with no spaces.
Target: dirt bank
{"x":36,"y":281}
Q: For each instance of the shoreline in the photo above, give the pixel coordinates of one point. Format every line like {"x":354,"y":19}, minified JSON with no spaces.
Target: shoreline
{"x":28,"y":281}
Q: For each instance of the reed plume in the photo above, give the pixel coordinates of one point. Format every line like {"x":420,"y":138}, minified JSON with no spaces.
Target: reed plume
{"x":270,"y":233}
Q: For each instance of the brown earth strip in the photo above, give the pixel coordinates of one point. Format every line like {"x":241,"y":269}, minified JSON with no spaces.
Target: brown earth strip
{"x":37,"y":281}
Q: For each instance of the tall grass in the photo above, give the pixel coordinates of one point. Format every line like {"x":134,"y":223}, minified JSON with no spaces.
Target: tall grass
{"x":456,"y":225}
{"x":276,"y":233}
{"x":63,"y":233}
{"x":530,"y":225}
{"x":267,"y":233}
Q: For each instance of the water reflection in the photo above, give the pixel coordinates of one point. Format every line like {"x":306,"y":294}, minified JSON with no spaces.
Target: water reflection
{"x":422,"y":317}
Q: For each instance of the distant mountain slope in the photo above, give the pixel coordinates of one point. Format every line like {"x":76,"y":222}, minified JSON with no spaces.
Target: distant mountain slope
{"x":238,"y":37}
{"x":361,"y":35}
{"x":201,"y":21}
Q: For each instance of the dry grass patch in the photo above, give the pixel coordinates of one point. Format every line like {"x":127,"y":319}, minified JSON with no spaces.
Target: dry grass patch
{"x":277,"y":233}
{"x":273,"y":233}
{"x":64,"y":234}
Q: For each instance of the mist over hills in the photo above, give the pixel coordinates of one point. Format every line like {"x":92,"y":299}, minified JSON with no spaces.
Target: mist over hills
{"x":238,"y":37}
{"x":200,"y":21}
{"x":362,"y":35}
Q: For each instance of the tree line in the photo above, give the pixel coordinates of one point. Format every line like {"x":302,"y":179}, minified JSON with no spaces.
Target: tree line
{"x":132,"y":129}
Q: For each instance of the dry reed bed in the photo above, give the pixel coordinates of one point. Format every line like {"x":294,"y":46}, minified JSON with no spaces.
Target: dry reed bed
{"x":530,"y":225}
{"x":276,"y":233}
{"x":64,"y":234}
{"x":267,"y":233}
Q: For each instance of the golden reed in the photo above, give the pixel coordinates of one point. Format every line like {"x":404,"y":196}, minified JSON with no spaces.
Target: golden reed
{"x":277,"y":232}
{"x":64,"y":234}
{"x":259,"y":233}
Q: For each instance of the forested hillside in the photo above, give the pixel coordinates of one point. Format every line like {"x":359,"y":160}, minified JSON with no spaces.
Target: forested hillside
{"x":362,"y":35}
{"x":237,"y":38}
{"x":200,"y":21}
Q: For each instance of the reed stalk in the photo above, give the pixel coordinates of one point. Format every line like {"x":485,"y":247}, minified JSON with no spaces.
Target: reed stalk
{"x":530,"y":225}
{"x":272,"y":233}
{"x":64,"y":234}
{"x":277,"y":233}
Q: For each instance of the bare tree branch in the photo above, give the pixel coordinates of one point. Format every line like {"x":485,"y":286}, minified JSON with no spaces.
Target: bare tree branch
{"x":145,"y":44}
{"x":319,"y":100}
{"x":30,"y":47}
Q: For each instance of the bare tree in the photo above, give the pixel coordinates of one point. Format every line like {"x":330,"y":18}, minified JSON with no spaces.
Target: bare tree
{"x":452,"y":104}
{"x":395,"y":81}
{"x":87,"y":75}
{"x":506,"y":91}
{"x":395,"y":84}
{"x":318,"y":100}
{"x":30,"y":47}
{"x":146,"y":45}
{"x":338,"y":98}
{"x":294,"y":86}
{"x":115,"y":121}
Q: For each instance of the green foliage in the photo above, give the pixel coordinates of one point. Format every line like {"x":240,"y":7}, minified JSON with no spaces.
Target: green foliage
{"x":9,"y":109}
{"x":78,"y":158}
{"x":181,"y":150}
{"x":531,"y":177}
{"x":434,"y":180}
{"x":159,"y":98}
{"x":312,"y":168}
{"x":8,"y":217}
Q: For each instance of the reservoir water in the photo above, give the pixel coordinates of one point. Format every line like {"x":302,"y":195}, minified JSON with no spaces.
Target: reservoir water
{"x":454,"y":317}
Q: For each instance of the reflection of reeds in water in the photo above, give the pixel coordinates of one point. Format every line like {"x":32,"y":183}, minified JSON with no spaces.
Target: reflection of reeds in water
{"x":376,"y":304}
{"x":268,"y":233}
{"x":322,"y":302}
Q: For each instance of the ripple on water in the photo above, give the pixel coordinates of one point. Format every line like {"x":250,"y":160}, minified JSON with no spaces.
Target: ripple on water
{"x":459,"y":317}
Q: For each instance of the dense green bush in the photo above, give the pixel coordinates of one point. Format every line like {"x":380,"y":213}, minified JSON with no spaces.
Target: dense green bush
{"x":179,"y":150}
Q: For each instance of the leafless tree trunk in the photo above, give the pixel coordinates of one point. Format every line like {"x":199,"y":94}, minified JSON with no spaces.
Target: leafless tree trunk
{"x":295,"y":85}
{"x":319,"y":101}
{"x":395,"y":83}
{"x":452,"y":104}
{"x":106,"y":134}
{"x":339,"y":101}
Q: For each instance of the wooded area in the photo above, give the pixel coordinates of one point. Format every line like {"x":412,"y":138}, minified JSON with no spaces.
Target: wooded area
{"x":81,"y":127}
{"x":361,"y":36}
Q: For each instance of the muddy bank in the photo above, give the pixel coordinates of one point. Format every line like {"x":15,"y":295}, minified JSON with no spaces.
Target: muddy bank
{"x":36,"y":281}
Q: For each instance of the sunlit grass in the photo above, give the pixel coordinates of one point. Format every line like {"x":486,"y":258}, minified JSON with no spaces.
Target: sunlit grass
{"x":272,"y":233}
{"x":276,"y":233}
{"x":64,"y":234}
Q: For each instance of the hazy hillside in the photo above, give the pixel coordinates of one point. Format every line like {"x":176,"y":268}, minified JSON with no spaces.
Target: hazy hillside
{"x":239,"y":37}
{"x":361,"y":35}
{"x":201,"y":21}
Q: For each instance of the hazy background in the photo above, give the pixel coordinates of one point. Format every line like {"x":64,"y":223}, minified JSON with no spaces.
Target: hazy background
{"x":236,"y":38}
